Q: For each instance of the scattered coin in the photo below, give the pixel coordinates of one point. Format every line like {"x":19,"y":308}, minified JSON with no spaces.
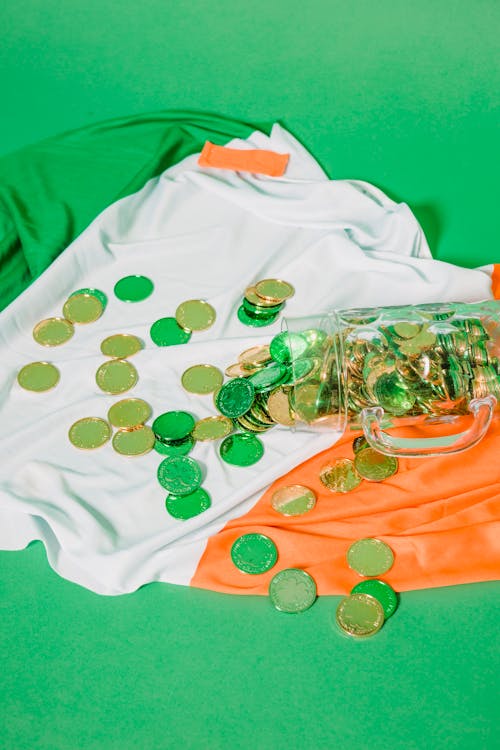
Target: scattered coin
{"x":256,"y":355}
{"x":370,"y":557}
{"x":135,"y":442}
{"x":95,"y":293}
{"x":133,"y":288}
{"x":129,"y":413}
{"x":188,"y":506}
{"x":254,"y":553}
{"x":82,"y":308}
{"x":116,"y":376}
{"x":340,"y":476}
{"x":202,"y":379}
{"x":179,"y":475}
{"x":167,"y":332}
{"x":178,"y":448}
{"x":360,"y":615}
{"x":38,"y":376}
{"x":375,"y":466}
{"x":381,"y":591}
{"x":293,"y":500}
{"x":195,"y":315}
{"x":53,"y":331}
{"x":89,"y":433}
{"x":274,"y":290}
{"x":212,"y":428}
{"x":235,"y":397}
{"x":242,"y":449}
{"x":173,"y":426}
{"x":292,"y":590}
{"x":121,"y":345}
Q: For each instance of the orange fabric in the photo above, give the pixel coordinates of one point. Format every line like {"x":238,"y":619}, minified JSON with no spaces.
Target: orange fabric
{"x":258,"y":161}
{"x":439,"y":515}
{"x":495,"y":281}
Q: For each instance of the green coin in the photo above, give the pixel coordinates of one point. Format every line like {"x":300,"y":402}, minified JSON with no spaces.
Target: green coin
{"x":375,"y":466}
{"x":293,"y":500}
{"x":287,"y":346}
{"x":303,"y":369}
{"x":133,"y":288}
{"x":167,"y":332}
{"x":202,"y":379}
{"x":179,"y":475}
{"x":235,"y":397}
{"x":212,"y":428}
{"x":242,"y":449}
{"x":195,"y":315}
{"x":121,"y":345}
{"x":188,"y":506}
{"x":178,"y":448}
{"x":116,"y":376}
{"x":292,"y":590}
{"x":360,"y":615}
{"x":89,"y":433}
{"x":38,"y":376}
{"x":135,"y":442}
{"x":254,"y":553}
{"x":95,"y":293}
{"x":53,"y":331}
{"x":269,"y":377}
{"x":254,"y":321}
{"x":259,"y":310}
{"x":173,"y":425}
{"x":370,"y":557}
{"x":391,"y":393}
{"x":381,"y":591}
{"x":129,"y":413}
{"x":82,"y":308}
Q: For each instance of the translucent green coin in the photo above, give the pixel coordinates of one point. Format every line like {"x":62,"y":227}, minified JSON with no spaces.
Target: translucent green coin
{"x":202,"y":379}
{"x":292,"y":590}
{"x":269,"y":377}
{"x":179,"y":448}
{"x":82,"y":308}
{"x":89,"y":433}
{"x":133,"y":288}
{"x":375,"y":466}
{"x":179,"y":475}
{"x":53,"y":331}
{"x":212,"y":428}
{"x":121,"y":345}
{"x":195,"y":315}
{"x":173,"y":425}
{"x":254,"y":553}
{"x":167,"y":332}
{"x":303,"y":369}
{"x":135,"y":442}
{"x":241,"y":449}
{"x":38,"y":376}
{"x":287,"y":346}
{"x":95,"y":293}
{"x":370,"y":557}
{"x":235,"y":397}
{"x":116,"y":376}
{"x":381,"y":591}
{"x":129,"y":413}
{"x":392,"y":394}
{"x":293,"y":500}
{"x":188,"y":506}
{"x":254,"y":321}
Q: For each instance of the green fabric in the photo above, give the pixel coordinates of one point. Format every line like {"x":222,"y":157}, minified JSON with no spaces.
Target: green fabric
{"x":50,"y":191}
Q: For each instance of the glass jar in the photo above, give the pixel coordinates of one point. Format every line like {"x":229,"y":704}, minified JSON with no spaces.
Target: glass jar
{"x":382,"y":367}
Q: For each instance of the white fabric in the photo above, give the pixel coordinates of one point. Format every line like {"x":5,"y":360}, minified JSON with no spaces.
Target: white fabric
{"x":198,"y":233}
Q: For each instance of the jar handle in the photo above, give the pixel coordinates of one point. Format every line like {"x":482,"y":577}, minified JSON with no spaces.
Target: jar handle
{"x":371,"y":419}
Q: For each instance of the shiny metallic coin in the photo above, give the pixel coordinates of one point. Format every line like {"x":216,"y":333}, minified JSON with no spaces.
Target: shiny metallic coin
{"x":116,"y":376}
{"x":202,"y":379}
{"x":392,"y":393}
{"x":195,"y":315}
{"x":375,"y":466}
{"x":292,"y":590}
{"x":308,"y":402}
{"x":359,"y":443}
{"x":287,"y":346}
{"x":278,"y":407}
{"x":360,"y":615}
{"x":89,"y":433}
{"x":293,"y":500}
{"x":407,"y":330}
{"x":82,"y":308}
{"x":274,"y":290}
{"x":242,"y":449}
{"x":238,"y":371}
{"x":121,"y":345}
{"x":135,"y":442}
{"x":38,"y":376}
{"x":178,"y":448}
{"x":129,"y":413}
{"x":248,"y":426}
{"x":256,"y":355}
{"x":381,"y":591}
{"x":53,"y":331}
{"x":179,"y":475}
{"x":133,"y":288}
{"x":256,"y":322}
{"x":188,"y":506}
{"x":340,"y":476}
{"x":258,"y":310}
{"x":303,"y":369}
{"x":235,"y":397}
{"x":254,"y":299}
{"x":370,"y":557}
{"x":167,"y":332}
{"x":95,"y":293}
{"x":269,"y":377}
{"x":212,"y":428}
{"x":254,"y":553}
{"x":173,"y":426}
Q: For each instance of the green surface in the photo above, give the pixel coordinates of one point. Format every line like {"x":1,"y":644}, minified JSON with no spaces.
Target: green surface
{"x":403,"y":95}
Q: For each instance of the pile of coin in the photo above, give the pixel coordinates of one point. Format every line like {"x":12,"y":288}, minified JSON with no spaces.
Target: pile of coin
{"x":132,"y":436}
{"x":263,"y":302}
{"x":344,"y":475}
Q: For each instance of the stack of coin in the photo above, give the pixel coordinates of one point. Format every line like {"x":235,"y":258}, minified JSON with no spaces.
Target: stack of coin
{"x":173,"y":433}
{"x":182,"y":477}
{"x":264,"y":301}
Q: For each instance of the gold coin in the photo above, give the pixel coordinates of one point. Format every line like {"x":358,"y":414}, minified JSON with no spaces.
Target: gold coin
{"x":134,"y":442}
{"x":278,"y":407}
{"x":38,"y":376}
{"x":238,"y":371}
{"x":202,"y":379}
{"x":307,"y":403}
{"x":340,"y":476}
{"x":370,"y":557}
{"x":129,"y":413}
{"x":256,"y":355}
{"x":254,"y":299}
{"x":116,"y":376}
{"x":82,"y":308}
{"x":374,"y":466}
{"x":294,"y":500}
{"x":195,"y":315}
{"x":251,"y":426}
{"x":121,"y":345}
{"x":89,"y":433}
{"x":212,"y":428}
{"x":53,"y":331}
{"x":274,"y":290}
{"x":360,"y":615}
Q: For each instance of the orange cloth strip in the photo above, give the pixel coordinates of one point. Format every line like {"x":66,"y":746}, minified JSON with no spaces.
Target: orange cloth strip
{"x":439,"y":515}
{"x":495,"y":281}
{"x":258,"y":161}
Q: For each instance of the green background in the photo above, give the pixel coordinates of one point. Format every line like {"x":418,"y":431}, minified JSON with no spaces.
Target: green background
{"x":403,"y":96}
